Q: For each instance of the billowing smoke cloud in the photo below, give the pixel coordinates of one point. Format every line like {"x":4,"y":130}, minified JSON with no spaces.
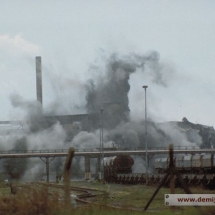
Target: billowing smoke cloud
{"x":32,"y":119}
{"x":35,"y":133}
{"x":39,"y":134}
{"x":181,"y":137}
{"x":109,"y":90}
{"x":68,"y":94}
{"x":85,"y":140}
{"x":16,"y":167}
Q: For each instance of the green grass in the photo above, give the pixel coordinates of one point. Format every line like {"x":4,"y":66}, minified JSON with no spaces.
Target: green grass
{"x":38,"y":201}
{"x":137,"y":196}
{"x":4,"y":191}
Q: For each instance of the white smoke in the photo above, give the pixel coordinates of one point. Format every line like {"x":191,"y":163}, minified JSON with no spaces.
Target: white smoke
{"x":110,"y":88}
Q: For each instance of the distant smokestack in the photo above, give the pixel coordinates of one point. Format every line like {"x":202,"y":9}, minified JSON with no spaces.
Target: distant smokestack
{"x":39,"y":84}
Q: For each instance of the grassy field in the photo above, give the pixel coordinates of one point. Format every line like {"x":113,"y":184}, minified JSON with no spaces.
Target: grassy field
{"x":137,"y":196}
{"x":130,"y":198}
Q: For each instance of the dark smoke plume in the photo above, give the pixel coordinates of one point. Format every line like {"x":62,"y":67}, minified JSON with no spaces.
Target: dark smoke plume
{"x":111,"y":90}
{"x":108,"y":89}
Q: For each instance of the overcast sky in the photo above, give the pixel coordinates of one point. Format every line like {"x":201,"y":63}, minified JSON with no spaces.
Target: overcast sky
{"x":71,"y":36}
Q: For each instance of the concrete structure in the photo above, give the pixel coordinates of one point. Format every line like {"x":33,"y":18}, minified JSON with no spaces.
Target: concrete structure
{"x":94,"y":153}
{"x":87,"y":168}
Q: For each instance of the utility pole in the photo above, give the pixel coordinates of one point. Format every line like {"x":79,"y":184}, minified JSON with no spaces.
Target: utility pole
{"x":146,"y":144}
{"x":102,"y":143}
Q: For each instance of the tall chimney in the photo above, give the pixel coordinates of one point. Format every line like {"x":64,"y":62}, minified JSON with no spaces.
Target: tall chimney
{"x":39,"y":84}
